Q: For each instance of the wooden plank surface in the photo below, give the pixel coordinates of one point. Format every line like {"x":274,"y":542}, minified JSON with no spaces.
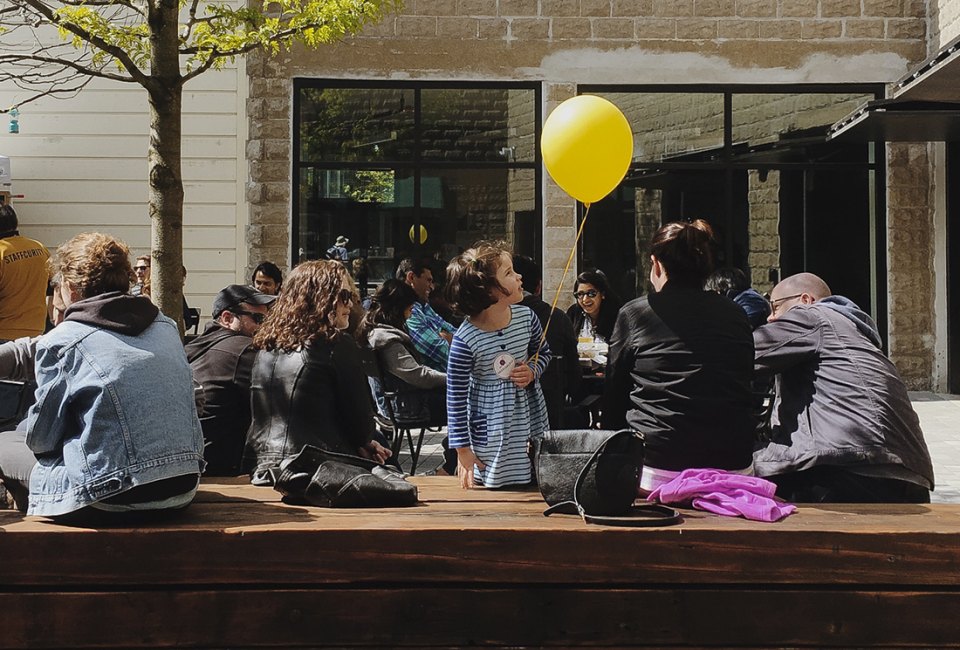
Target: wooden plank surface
{"x":466,"y":616}
{"x":239,"y":534}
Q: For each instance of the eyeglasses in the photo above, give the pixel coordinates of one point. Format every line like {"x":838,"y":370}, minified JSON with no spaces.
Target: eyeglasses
{"x":779,"y":301}
{"x":590,"y":293}
{"x":256,"y":317}
{"x":141,"y":268}
{"x":346,"y":296}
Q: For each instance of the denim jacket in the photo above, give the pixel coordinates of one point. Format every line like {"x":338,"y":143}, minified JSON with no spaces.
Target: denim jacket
{"x":115,"y":406}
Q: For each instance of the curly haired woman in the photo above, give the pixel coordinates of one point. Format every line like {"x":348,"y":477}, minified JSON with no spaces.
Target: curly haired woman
{"x":308,"y":386}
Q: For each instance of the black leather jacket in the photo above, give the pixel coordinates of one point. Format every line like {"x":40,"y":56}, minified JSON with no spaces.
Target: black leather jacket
{"x":316,"y":396}
{"x":679,"y":370}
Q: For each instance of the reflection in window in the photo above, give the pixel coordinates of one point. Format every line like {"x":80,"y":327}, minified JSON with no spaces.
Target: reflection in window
{"x":668,"y":125}
{"x":421,"y":170}
{"x":355,"y":124}
{"x":761,"y":118}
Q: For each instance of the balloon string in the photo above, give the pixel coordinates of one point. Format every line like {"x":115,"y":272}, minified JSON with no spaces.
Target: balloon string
{"x":556,"y":297}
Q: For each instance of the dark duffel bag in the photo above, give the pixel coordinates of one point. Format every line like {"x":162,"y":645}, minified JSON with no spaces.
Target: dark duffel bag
{"x":595,"y":474}
{"x":323,"y":478}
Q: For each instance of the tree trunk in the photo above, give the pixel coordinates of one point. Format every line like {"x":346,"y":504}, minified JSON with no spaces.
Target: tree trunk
{"x":165,"y":93}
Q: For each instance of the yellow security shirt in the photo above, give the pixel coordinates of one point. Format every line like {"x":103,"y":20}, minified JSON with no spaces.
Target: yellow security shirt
{"x":23,"y":287}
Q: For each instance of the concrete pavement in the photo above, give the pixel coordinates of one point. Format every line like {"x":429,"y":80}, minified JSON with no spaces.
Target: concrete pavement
{"x":940,"y":420}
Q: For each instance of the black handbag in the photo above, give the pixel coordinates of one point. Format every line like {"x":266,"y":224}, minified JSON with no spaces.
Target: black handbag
{"x":595,"y":474}
{"x":15,"y":398}
{"x":324,"y":478}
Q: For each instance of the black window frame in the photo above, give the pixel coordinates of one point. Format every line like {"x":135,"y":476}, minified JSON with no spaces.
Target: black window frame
{"x":417,"y":163}
{"x":726,"y":163}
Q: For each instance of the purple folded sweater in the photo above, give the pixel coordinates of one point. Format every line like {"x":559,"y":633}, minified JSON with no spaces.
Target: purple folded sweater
{"x":724,"y":493}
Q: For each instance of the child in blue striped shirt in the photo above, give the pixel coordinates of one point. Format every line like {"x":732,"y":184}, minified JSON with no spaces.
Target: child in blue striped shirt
{"x":494,"y":401}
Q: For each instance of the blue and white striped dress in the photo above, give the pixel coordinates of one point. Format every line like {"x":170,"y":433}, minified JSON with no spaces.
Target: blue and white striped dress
{"x":491,"y":414}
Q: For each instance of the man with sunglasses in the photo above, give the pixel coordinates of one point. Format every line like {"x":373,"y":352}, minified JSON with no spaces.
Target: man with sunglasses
{"x":843,"y":429}
{"x":221,"y":359}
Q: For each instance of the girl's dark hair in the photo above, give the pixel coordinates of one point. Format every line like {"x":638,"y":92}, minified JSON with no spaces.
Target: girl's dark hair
{"x":387,"y":307}
{"x":270,"y":270}
{"x":609,"y":308}
{"x":301,"y":313}
{"x":729,"y":282}
{"x":686,"y":252}
{"x":472,"y":277}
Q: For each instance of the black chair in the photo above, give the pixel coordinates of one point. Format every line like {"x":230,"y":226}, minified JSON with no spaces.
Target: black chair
{"x":191,"y":319}
{"x":15,"y":398}
{"x":394,"y":392}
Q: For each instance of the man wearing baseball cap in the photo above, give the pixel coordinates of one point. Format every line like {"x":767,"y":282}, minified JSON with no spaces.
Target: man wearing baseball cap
{"x":221,"y":359}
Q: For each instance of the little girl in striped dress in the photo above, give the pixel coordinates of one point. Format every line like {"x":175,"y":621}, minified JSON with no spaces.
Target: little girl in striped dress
{"x":494,"y":401}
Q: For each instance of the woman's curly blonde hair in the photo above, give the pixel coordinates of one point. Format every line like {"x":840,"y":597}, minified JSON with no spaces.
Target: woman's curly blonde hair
{"x":93,"y":263}
{"x":302,"y":311}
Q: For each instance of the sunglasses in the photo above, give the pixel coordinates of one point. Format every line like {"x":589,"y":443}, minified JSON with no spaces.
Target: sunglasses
{"x":346,"y":296}
{"x":254,"y":316}
{"x":580,"y":295}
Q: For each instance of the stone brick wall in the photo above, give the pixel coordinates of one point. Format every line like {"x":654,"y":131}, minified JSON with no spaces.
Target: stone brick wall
{"x":269,"y":154}
{"x":763,"y":197}
{"x":641,"y":20}
{"x":910,"y":239}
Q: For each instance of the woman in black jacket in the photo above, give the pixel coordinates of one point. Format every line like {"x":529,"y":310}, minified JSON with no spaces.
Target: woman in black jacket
{"x":680,"y":364}
{"x":595,"y":311}
{"x":308,"y":385}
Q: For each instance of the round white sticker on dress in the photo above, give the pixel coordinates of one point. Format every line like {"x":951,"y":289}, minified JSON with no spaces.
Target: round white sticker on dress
{"x":503,"y":365}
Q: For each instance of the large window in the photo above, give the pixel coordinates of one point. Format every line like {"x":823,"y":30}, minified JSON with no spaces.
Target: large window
{"x":755,"y":162}
{"x":415,"y":169}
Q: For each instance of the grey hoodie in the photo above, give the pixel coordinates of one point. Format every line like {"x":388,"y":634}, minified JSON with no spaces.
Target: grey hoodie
{"x":399,"y":358}
{"x":840,"y":400}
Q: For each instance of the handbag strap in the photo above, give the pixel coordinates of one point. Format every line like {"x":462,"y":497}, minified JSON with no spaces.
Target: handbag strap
{"x":643,"y":516}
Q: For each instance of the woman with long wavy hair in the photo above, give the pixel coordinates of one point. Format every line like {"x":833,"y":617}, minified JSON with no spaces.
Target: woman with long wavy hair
{"x":308,"y":385}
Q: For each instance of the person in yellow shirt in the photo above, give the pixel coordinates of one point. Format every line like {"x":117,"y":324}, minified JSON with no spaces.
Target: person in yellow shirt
{"x":23,"y":280}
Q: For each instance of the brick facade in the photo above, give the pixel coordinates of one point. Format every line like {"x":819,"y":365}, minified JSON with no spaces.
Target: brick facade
{"x":563,"y":43}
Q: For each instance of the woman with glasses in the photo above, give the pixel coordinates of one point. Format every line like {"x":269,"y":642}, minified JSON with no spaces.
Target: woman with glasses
{"x":680,"y":364}
{"x":308,"y":386}
{"x":595,"y":311}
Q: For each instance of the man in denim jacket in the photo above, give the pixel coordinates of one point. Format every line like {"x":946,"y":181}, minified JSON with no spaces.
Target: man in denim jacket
{"x":114,"y":429}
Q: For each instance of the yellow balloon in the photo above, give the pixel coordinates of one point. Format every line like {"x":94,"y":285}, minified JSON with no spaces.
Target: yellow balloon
{"x":587,"y":147}
{"x":423,"y":234}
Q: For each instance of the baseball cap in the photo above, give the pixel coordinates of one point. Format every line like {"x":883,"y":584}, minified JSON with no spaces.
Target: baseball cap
{"x":234,"y":294}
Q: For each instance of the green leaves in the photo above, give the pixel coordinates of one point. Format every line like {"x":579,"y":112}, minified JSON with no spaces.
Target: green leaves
{"x":121,"y":33}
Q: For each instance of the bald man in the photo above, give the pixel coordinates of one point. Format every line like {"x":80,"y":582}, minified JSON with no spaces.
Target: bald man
{"x":843,"y":429}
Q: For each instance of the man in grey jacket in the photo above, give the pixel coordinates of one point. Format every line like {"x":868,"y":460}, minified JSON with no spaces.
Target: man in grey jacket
{"x":843,"y":429}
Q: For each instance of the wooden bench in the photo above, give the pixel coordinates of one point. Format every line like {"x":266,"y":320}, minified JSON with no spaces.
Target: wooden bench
{"x":480,"y":568}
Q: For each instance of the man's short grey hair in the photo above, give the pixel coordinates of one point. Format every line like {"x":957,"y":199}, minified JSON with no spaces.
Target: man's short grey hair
{"x":805,"y":283}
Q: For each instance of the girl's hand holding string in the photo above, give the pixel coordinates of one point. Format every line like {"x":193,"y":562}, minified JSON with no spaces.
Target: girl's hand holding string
{"x":522,"y":375}
{"x":466,"y":460}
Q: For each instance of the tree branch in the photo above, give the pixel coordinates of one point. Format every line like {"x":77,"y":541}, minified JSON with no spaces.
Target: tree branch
{"x":58,"y":91}
{"x":116,"y":52}
{"x":73,"y":65}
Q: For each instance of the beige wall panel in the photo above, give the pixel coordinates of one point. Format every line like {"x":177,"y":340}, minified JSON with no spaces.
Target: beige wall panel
{"x":944,"y":22}
{"x":81,"y":165}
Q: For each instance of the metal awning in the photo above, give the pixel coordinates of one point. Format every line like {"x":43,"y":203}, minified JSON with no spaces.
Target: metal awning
{"x":935,"y":80}
{"x":895,"y":120}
